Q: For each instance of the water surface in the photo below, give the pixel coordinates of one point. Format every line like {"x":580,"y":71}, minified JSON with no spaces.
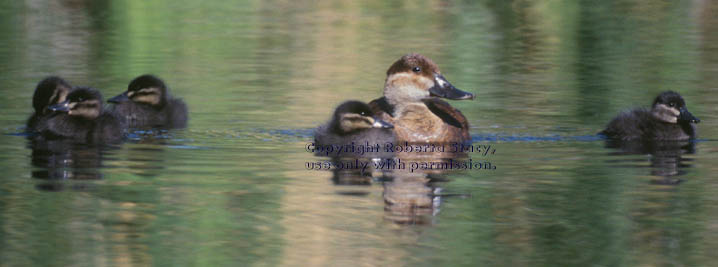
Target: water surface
{"x":233,"y":189}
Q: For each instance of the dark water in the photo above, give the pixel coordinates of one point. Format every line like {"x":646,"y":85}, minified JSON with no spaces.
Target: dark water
{"x":233,"y":188}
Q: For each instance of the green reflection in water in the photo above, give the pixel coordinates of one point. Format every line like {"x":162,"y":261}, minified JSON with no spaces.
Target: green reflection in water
{"x":231,"y":188}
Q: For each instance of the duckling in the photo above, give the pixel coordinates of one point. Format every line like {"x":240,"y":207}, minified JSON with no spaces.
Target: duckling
{"x":148,"y":103}
{"x":82,"y":119}
{"x":49,"y":91}
{"x":410,"y":103}
{"x":668,"y":119}
{"x":353,"y":121}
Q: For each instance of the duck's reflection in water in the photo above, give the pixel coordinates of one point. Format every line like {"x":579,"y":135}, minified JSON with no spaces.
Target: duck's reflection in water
{"x":146,"y":152}
{"x":352,"y":176}
{"x":411,"y":195}
{"x":55,"y":161}
{"x":409,"y":198}
{"x":62,"y":165}
{"x":666,"y":157}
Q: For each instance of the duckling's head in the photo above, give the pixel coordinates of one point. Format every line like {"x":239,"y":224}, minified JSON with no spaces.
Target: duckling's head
{"x":352,"y":116}
{"x":670,"y":107}
{"x":415,"y":77}
{"x":146,"y":89}
{"x":49,"y":91}
{"x":82,"y":102}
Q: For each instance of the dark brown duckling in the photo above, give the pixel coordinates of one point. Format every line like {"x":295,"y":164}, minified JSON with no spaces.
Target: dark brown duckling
{"x":50,"y":91}
{"x":353,"y":121}
{"x":81,"y":118}
{"x":148,"y":103}
{"x":668,"y":119}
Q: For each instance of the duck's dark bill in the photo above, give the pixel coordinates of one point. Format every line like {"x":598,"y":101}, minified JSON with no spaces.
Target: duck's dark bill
{"x":117,"y":99}
{"x":382,"y":124}
{"x":445,"y":89}
{"x":64,"y":107}
{"x":687,"y":116}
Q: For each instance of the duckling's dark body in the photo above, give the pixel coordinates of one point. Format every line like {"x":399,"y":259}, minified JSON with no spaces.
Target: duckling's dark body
{"x":137,"y":115}
{"x":325,"y":135}
{"x":50,"y":91}
{"x":106,"y":128}
{"x":148,"y":103}
{"x":353,"y":122}
{"x":101,"y":126}
{"x":640,"y":124}
{"x":668,"y":119}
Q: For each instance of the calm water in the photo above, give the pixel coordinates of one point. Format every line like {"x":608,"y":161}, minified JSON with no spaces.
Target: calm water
{"x":233,"y":188}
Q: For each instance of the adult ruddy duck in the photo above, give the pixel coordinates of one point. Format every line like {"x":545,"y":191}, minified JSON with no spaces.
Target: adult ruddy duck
{"x":410,"y":103}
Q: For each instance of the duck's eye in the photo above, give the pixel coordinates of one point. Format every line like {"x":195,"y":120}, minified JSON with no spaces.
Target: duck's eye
{"x":362,"y":113}
{"x":80,"y":99}
{"x":416,"y":69}
{"x":672,"y":104}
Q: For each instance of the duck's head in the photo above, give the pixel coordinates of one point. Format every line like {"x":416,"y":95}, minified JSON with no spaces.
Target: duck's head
{"x":146,"y":89}
{"x":50,"y":91}
{"x":352,"y":116}
{"x":82,"y":102}
{"x":415,"y":77}
{"x":670,"y":107}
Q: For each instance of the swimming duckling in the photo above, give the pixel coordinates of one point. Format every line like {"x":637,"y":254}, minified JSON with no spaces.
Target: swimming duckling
{"x":81,"y":118}
{"x":148,"y":103}
{"x":49,"y":91}
{"x":410,"y":103}
{"x":668,"y":119}
{"x":353,"y":121}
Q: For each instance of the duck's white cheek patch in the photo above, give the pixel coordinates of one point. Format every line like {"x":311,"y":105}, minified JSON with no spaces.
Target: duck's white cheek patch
{"x":675,"y":112}
{"x":666,"y":113}
{"x":410,"y":85}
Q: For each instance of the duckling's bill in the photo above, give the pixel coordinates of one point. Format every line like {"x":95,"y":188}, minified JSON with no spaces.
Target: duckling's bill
{"x":687,"y":116}
{"x":62,"y":107}
{"x":119,"y":98}
{"x":381,"y":124}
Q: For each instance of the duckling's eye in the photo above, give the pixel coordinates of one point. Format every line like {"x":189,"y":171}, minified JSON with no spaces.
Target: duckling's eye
{"x":416,"y":69}
{"x":672,"y":104}
{"x":80,"y":99}
{"x":362,"y":113}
